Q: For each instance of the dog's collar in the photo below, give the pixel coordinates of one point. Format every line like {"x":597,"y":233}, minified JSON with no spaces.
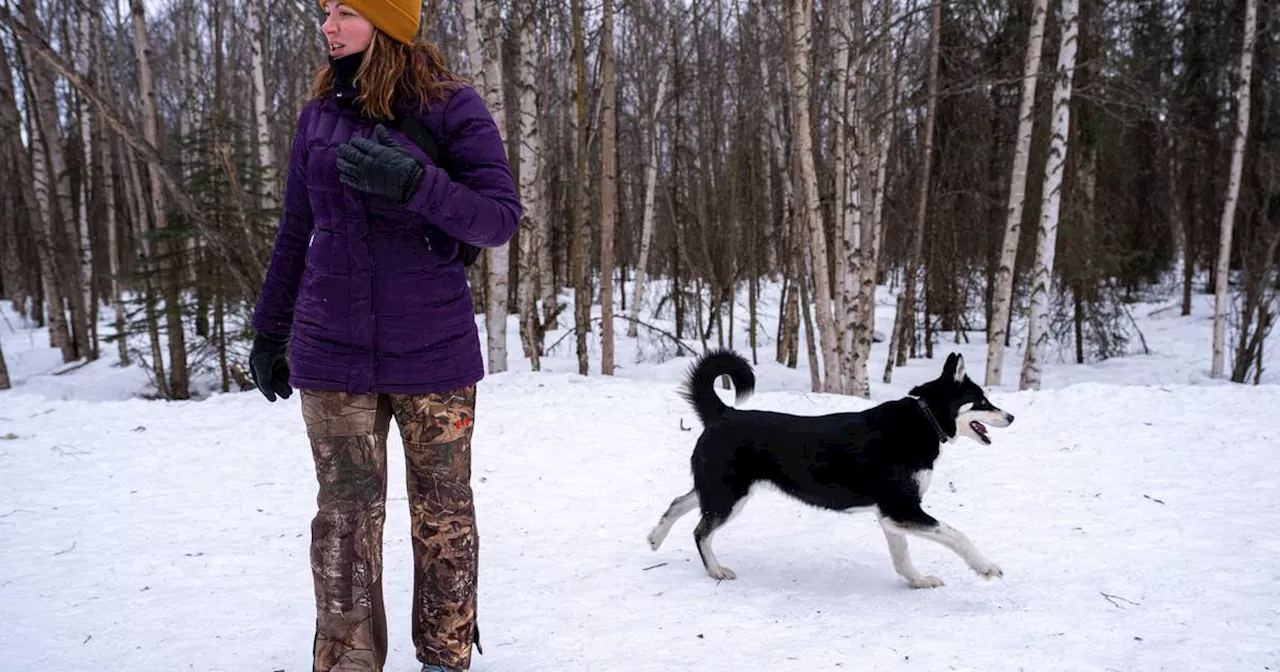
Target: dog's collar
{"x":942,"y":435}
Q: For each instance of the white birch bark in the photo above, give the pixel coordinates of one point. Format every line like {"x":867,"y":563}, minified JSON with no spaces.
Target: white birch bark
{"x":1051,"y":199}
{"x":178,"y":381}
{"x":608,"y":186}
{"x":1233,"y":190}
{"x":483,"y":27}
{"x":530,"y":185}
{"x":845,"y":158}
{"x":1002,"y":298}
{"x":262,"y":121}
{"x":650,"y":210}
{"x":106,"y":155}
{"x":800,"y":14}
{"x":82,"y":56}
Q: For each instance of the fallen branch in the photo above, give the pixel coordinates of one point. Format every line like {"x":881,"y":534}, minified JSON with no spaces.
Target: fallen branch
{"x":680,"y":344}
{"x":1112,"y":599}
{"x":660,"y":564}
{"x":1145,"y":349}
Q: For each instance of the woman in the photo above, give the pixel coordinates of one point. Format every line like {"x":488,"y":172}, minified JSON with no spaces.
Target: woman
{"x":367,"y":293}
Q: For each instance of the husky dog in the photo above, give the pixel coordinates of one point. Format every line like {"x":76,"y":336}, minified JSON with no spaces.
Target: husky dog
{"x":881,"y":457}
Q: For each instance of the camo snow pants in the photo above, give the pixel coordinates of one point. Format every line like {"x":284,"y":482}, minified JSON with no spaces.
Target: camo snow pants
{"x":348,"y":434}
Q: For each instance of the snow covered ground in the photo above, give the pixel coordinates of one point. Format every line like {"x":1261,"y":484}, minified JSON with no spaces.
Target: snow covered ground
{"x":1132,"y":506}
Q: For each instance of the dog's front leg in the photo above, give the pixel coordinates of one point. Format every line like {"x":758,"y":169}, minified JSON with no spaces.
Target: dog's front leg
{"x":923,"y":525}
{"x":902,"y":558}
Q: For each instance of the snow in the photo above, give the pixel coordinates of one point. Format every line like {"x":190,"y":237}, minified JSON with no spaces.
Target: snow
{"x":1132,"y":506}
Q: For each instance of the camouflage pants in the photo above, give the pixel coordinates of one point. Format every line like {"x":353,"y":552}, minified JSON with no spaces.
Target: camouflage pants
{"x":348,"y":434}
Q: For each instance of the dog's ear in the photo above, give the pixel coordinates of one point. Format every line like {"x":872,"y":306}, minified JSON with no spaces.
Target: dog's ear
{"x":953,"y":370}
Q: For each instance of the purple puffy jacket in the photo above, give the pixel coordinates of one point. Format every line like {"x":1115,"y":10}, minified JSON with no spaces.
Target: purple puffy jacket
{"x":371,"y":292}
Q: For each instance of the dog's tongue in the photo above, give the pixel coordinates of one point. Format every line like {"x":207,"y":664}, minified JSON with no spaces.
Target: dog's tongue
{"x":979,"y":428}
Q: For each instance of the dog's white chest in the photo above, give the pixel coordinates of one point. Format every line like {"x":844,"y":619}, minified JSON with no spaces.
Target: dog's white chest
{"x":923,"y":478}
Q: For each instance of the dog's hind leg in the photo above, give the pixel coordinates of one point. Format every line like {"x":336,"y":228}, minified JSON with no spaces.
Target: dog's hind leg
{"x":923,"y":525}
{"x":714,"y":518}
{"x":679,"y":506}
{"x":902,"y":558}
{"x":703,"y":534}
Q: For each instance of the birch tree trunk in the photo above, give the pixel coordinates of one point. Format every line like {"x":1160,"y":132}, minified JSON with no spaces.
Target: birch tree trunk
{"x":799,"y":19}
{"x":483,"y":27}
{"x":904,"y":324}
{"x":531,"y":196}
{"x":33,"y":188}
{"x":179,"y":387}
{"x":262,"y":121}
{"x":105,"y":154}
{"x":1002,"y":299}
{"x":650,"y":188}
{"x":847,"y":165}
{"x":1233,"y":190}
{"x":608,"y":187}
{"x":188,"y":120}
{"x":578,"y":246}
{"x":876,"y":139}
{"x":1051,"y":199}
{"x":61,"y":219}
{"x":85,"y":113}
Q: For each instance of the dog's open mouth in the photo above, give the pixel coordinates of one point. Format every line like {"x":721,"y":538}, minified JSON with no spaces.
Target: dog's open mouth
{"x":981,"y":430}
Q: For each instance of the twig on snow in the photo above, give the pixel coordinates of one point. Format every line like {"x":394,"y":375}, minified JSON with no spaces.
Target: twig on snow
{"x":660,"y":564}
{"x":67,"y":550}
{"x":1112,"y":599}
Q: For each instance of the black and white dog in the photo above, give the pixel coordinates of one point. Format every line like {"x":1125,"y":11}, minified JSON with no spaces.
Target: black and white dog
{"x":882,"y":457}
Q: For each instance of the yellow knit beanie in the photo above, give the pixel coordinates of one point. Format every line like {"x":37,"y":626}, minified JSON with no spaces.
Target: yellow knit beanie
{"x":397,"y":18}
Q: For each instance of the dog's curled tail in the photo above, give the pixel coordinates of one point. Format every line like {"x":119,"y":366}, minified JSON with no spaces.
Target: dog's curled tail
{"x":699,"y":389}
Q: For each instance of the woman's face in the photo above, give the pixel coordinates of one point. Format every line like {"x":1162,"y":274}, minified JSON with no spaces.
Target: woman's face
{"x":346,"y":31}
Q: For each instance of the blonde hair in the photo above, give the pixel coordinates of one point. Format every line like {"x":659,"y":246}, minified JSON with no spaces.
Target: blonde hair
{"x":392,"y":70}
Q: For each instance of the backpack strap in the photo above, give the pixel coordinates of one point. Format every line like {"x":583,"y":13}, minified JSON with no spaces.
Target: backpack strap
{"x":415,"y":131}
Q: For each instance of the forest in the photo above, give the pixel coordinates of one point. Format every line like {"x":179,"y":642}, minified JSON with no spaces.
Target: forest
{"x":994,"y":162}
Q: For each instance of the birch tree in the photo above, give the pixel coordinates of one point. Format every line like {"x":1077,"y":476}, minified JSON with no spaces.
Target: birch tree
{"x":876,"y":137}
{"x":1220,"y":300}
{"x":847,"y":162}
{"x":531,"y":195}
{"x":60,"y":216}
{"x":1051,"y":199}
{"x":608,"y":188}
{"x":650,"y":189}
{"x":580,"y":272}
{"x":799,"y":21}
{"x":179,"y":387}
{"x":483,"y":27}
{"x":86,"y":28}
{"x":1002,"y":299}
{"x":105,"y":154}
{"x":261,"y":112}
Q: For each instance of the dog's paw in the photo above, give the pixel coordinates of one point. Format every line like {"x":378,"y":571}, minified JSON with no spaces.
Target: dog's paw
{"x":655,"y":540}
{"x":722,"y":573}
{"x":989,"y":571}
{"x":925,"y":582}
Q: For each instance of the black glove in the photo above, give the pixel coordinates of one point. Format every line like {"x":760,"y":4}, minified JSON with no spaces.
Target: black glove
{"x":269,"y":366}
{"x":383,"y":168}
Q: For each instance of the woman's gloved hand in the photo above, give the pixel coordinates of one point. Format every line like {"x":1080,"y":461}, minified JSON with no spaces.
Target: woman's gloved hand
{"x":382,"y":168}
{"x":269,"y":366}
